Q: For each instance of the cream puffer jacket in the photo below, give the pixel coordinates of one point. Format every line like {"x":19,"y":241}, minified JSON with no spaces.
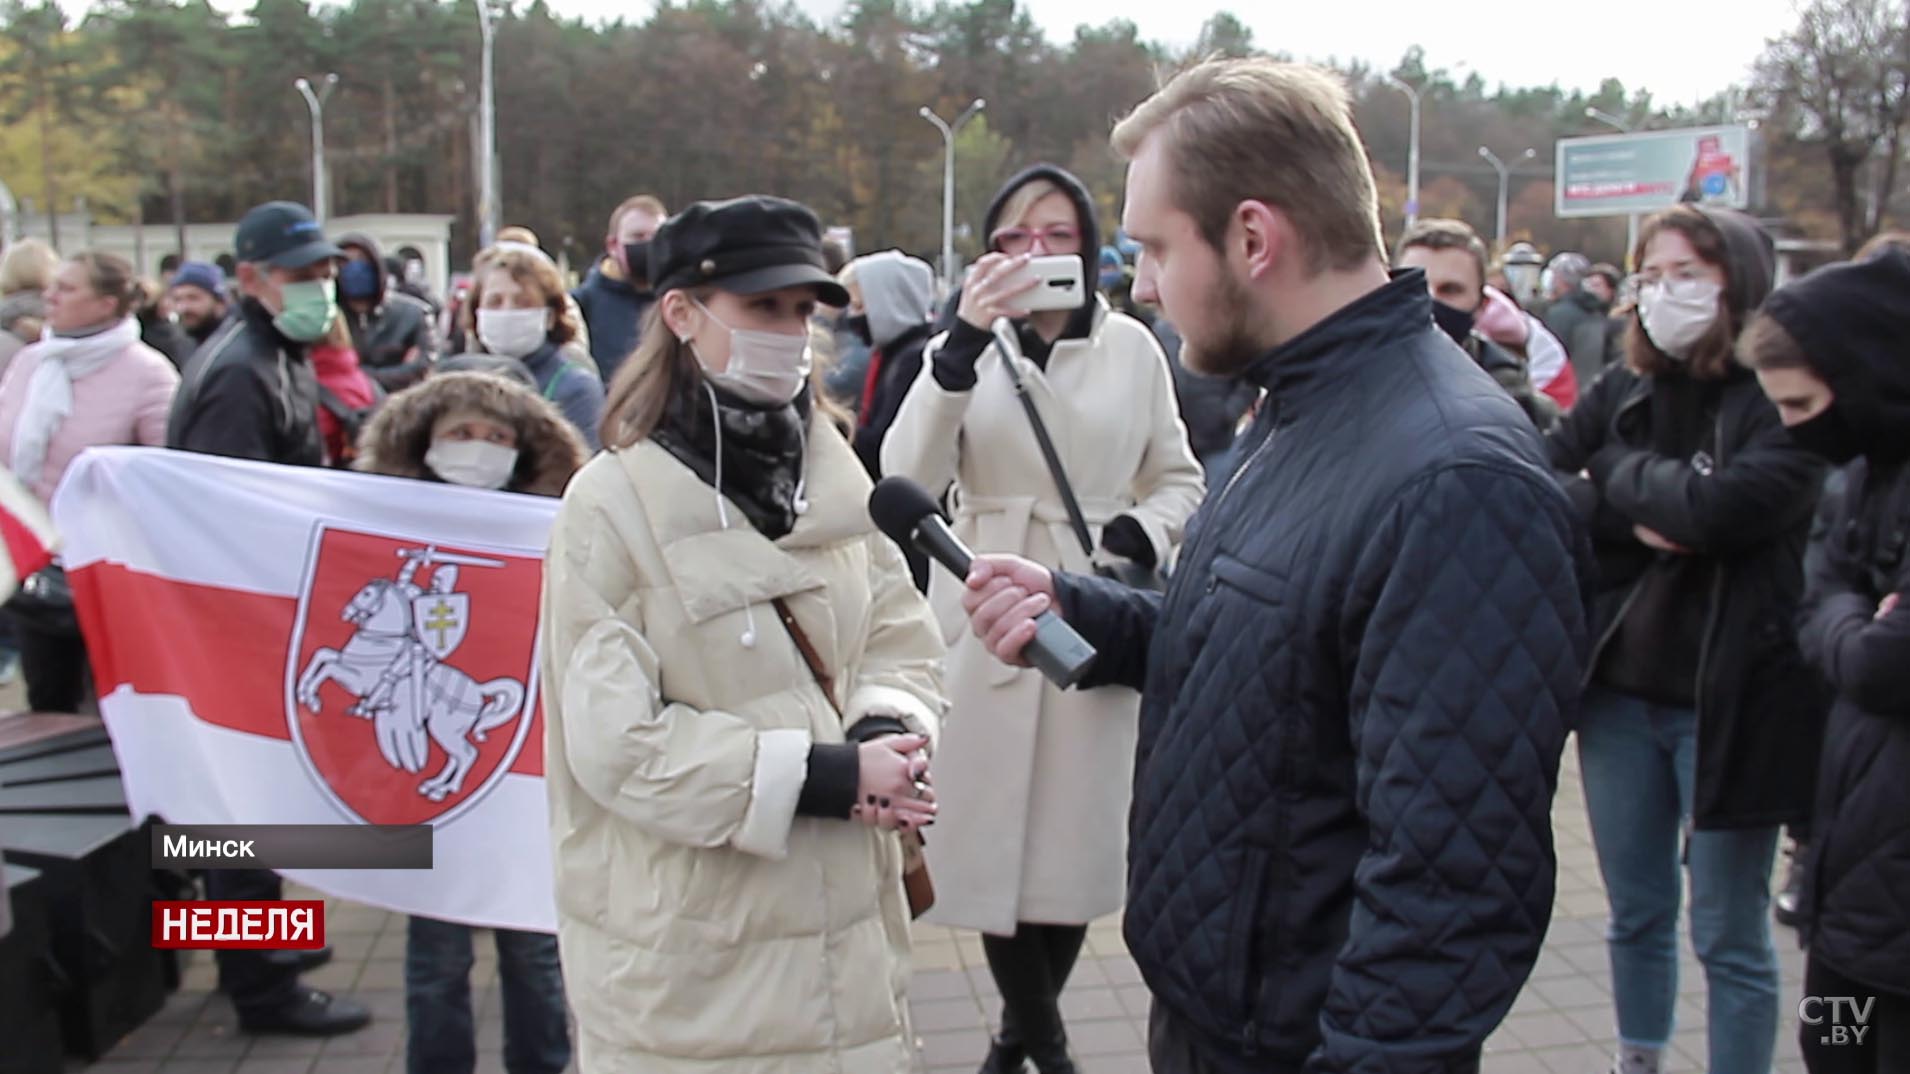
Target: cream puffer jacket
{"x":704,"y":926}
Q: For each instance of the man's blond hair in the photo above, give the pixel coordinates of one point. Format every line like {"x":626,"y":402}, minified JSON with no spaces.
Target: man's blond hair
{"x":648,"y":203}
{"x":1263,"y":130}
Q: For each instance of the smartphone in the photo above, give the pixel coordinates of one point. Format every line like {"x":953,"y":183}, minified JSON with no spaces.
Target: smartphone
{"x":1058,"y":284}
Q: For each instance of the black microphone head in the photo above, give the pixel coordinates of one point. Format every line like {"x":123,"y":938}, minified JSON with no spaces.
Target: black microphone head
{"x":897,"y":505}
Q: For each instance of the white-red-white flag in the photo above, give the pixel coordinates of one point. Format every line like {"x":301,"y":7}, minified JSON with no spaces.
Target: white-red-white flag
{"x":279,"y":645}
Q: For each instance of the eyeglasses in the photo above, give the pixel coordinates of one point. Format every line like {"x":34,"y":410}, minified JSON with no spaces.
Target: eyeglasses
{"x":1019,"y":240}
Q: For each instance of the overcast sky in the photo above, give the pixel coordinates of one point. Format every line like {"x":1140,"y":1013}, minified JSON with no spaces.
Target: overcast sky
{"x":1681,"y":50}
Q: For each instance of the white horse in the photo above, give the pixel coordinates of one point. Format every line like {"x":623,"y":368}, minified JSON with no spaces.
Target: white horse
{"x":406,"y":691}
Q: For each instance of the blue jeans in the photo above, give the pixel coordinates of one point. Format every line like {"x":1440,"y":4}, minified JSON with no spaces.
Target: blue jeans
{"x":441,"y":1034}
{"x":1640,"y":762}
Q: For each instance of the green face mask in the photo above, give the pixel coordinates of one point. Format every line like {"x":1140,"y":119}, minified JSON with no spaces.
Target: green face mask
{"x":309,"y":307}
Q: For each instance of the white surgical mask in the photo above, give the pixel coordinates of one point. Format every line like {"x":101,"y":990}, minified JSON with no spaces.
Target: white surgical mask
{"x":478,"y":464}
{"x":766,"y":368}
{"x":513,"y":333}
{"x":1677,"y":313}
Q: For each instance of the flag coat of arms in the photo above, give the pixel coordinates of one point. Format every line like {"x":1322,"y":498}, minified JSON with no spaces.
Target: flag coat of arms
{"x":279,"y":645}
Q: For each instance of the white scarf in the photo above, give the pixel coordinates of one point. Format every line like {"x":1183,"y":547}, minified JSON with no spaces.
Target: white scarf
{"x":49,"y":402}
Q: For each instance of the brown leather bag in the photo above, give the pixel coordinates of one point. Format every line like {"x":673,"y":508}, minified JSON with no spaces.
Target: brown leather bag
{"x":916,"y":881}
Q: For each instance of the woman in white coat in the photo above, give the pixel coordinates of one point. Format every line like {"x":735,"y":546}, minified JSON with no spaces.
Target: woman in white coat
{"x":723,"y":816}
{"x":1034,"y":782}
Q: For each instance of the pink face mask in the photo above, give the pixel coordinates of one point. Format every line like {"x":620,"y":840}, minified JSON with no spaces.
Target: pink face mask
{"x":1500,"y":320}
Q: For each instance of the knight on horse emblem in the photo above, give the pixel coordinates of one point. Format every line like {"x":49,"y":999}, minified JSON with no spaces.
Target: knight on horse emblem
{"x":396,"y":665}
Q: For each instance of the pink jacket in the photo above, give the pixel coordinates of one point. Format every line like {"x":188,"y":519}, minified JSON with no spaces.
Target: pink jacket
{"x":126,"y":401}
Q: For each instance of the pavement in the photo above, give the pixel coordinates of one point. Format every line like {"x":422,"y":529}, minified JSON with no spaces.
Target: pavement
{"x":1560,"y":1024}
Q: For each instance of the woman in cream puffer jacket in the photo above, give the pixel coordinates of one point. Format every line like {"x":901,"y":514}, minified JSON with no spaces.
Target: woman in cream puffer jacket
{"x":720,"y":908}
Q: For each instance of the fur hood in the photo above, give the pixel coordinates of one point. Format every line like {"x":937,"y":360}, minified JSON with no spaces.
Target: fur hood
{"x":549,"y":450}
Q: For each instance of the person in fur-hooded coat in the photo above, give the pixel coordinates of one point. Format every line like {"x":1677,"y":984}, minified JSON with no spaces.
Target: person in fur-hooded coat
{"x":436,"y":431}
{"x":485,"y":430}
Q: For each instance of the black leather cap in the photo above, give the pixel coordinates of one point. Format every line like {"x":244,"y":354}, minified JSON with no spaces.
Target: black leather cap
{"x":745,"y":246}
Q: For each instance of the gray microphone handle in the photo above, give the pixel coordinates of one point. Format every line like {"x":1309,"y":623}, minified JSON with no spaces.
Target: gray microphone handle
{"x":1061,"y":655}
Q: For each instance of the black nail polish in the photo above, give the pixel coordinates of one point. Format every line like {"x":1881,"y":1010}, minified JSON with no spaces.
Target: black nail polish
{"x":885,"y":803}
{"x":872,"y":799}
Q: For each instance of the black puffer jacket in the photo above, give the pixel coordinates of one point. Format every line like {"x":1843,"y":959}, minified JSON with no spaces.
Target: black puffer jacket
{"x":1859,"y":923}
{"x":1356,"y":691}
{"x":1741,"y":503}
{"x":1851,"y":321}
{"x":248,"y":393}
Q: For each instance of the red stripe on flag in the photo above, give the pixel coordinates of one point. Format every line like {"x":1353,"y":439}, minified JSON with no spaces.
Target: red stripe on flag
{"x":222,"y":649}
{"x":27,"y":548}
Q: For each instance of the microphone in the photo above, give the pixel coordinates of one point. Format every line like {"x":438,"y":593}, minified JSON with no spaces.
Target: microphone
{"x":907,"y":513}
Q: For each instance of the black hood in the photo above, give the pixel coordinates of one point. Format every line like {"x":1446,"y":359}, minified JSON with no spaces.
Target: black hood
{"x":1081,"y":323}
{"x":1750,"y":260}
{"x":1852,"y":321}
{"x":372,"y":250}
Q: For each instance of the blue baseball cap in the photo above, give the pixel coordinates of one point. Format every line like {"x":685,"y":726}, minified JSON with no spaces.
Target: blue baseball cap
{"x":283,"y":234}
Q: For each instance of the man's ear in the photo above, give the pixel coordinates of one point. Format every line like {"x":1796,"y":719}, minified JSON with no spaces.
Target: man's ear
{"x":1260,"y":236}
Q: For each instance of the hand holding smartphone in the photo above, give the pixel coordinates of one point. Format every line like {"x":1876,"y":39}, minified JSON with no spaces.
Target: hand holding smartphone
{"x":1058,"y":284}
{"x":1004,"y":286}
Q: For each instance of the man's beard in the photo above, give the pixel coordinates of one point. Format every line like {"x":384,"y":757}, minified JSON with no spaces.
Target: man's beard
{"x":1221,"y":346}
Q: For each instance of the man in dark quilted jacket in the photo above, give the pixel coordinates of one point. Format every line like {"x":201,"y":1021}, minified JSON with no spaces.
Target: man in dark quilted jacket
{"x":1357,"y":686}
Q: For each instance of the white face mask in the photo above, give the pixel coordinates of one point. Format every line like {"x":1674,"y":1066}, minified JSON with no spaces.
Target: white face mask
{"x":766,"y":368}
{"x":1677,"y":313}
{"x":513,"y":333}
{"x":478,"y":464}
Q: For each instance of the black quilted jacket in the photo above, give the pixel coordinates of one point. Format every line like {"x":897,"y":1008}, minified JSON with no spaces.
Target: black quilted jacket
{"x":1859,"y":920}
{"x":1355,"y":694}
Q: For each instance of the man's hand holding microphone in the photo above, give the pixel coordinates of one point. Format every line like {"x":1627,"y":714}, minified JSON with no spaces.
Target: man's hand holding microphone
{"x":1009,"y":600}
{"x":1005,"y":594}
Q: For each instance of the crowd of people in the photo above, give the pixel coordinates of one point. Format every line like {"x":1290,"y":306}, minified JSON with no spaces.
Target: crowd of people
{"x":1361,"y":535}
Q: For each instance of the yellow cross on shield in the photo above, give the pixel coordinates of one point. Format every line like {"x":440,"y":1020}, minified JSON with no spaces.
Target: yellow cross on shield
{"x":440,"y":621}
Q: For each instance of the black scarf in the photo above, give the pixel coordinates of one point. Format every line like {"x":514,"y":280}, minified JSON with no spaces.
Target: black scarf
{"x":762,"y":452}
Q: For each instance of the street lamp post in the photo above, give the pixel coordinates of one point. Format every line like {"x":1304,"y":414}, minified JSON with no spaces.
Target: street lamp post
{"x":1412,"y":153}
{"x":487,"y":130}
{"x":315,"y":100}
{"x":1505,"y":178}
{"x":948,"y":182}
{"x":1631,"y":219}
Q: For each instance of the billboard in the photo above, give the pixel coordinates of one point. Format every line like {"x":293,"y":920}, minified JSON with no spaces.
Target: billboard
{"x":1622,"y":174}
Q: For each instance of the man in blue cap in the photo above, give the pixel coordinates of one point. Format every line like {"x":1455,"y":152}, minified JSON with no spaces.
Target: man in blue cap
{"x":249,"y":391}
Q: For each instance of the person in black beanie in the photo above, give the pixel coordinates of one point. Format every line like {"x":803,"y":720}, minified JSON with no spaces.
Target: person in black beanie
{"x":1830,"y":352}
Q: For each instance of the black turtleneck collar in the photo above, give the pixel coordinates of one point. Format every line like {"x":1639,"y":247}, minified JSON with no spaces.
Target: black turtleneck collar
{"x":1399,"y":309}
